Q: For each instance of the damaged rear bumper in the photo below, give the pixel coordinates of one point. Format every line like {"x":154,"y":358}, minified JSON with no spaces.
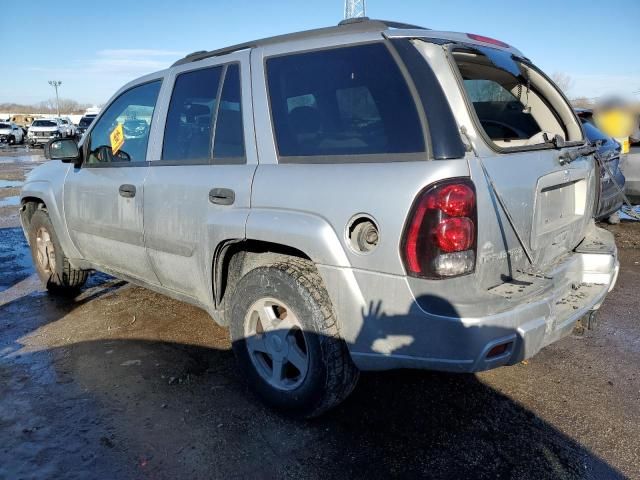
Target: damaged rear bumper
{"x":542,"y":310}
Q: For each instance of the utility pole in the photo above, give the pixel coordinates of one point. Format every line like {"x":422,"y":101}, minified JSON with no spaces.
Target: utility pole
{"x":354,"y":9}
{"x":55,"y":84}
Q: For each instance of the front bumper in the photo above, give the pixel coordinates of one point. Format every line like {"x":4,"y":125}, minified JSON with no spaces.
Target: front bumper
{"x":41,"y":140}
{"x":386,"y":328}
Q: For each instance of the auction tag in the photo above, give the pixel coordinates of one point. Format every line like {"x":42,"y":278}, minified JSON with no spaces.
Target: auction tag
{"x":117,"y":139}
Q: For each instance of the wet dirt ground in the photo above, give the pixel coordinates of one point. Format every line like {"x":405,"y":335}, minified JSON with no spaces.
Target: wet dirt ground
{"x":124,"y":383}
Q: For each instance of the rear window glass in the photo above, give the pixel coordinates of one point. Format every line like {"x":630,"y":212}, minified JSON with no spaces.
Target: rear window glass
{"x":586,"y":117}
{"x":515,"y":106}
{"x":86,"y":121}
{"x":343,"y":101}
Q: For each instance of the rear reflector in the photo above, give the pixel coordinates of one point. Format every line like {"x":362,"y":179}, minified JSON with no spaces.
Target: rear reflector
{"x":489,"y":40}
{"x":499,"y":349}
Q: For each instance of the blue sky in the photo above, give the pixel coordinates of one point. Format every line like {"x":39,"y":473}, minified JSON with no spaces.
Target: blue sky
{"x":95,"y":47}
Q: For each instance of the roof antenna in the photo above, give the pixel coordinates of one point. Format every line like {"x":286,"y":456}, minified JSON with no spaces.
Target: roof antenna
{"x":354,"y":9}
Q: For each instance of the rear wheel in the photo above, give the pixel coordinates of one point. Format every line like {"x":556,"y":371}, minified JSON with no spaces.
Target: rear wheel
{"x":286,"y":340}
{"x":51,"y":263}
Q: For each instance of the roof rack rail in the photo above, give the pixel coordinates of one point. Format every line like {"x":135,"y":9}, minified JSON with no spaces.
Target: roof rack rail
{"x":193,"y":54}
{"x":202,"y":54}
{"x":358,"y":24}
{"x":386,"y":23}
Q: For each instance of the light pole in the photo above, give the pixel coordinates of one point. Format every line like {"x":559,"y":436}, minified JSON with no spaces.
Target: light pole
{"x":55,"y":84}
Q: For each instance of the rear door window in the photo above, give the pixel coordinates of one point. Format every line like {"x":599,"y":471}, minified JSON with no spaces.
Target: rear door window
{"x":188,"y":129}
{"x":229,"y":135}
{"x":516,"y":107}
{"x":342,"y":101}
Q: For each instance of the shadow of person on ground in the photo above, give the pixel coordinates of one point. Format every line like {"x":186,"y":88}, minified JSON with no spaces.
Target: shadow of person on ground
{"x":139,"y":406}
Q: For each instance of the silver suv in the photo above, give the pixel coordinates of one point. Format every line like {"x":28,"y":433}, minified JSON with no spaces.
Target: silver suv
{"x":369,"y":196}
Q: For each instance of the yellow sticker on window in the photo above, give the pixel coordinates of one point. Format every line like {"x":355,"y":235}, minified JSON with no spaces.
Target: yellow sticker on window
{"x":117,"y":139}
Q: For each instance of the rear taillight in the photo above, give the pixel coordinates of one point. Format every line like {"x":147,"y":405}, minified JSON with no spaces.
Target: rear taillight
{"x":440,"y":233}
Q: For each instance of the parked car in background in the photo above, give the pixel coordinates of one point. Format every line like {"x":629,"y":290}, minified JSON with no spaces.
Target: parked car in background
{"x":23,"y":121}
{"x":44,"y":129}
{"x":68,"y":128}
{"x":84,"y":123}
{"x":635,"y":135}
{"x":136,"y":128}
{"x":433,"y":212}
{"x":604,"y":121}
{"x":11,"y":133}
{"x":609,"y":198}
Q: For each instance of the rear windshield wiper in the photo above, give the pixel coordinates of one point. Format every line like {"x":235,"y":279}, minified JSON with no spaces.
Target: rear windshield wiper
{"x":557,"y":141}
{"x":571,"y":155}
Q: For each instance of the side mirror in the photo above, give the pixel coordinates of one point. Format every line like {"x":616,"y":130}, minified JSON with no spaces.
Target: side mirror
{"x":64,"y":149}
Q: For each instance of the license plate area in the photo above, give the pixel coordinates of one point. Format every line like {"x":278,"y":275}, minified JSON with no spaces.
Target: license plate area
{"x":560,"y":206}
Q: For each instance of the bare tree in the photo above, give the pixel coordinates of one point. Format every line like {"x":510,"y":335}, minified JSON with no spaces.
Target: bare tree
{"x":563,"y":81}
{"x":582,"y":102}
{"x":67,"y":106}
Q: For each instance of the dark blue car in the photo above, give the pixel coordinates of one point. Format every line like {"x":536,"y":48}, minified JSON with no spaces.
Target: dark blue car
{"x":609,"y":198}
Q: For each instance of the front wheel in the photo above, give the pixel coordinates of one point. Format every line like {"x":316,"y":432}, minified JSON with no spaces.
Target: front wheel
{"x":52,"y":265}
{"x":286,"y":339}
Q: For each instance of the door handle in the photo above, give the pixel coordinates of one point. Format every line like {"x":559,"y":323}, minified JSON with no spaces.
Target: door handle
{"x":127,"y":191}
{"x":222,"y":196}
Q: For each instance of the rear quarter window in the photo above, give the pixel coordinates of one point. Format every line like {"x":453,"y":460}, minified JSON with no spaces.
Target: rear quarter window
{"x":342,"y":102}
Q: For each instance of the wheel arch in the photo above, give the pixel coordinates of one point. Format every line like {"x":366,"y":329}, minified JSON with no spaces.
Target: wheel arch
{"x":272,"y":235}
{"x":235,"y":257}
{"x":42,"y":194}
{"x":28,"y":206}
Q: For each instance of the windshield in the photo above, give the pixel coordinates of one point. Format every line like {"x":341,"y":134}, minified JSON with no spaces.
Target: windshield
{"x":86,"y":121}
{"x":516,"y":106}
{"x":4,"y":125}
{"x":43,"y":123}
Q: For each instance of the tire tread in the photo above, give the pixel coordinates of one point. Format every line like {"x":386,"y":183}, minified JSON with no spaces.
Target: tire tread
{"x":342,"y":374}
{"x":67,"y":279}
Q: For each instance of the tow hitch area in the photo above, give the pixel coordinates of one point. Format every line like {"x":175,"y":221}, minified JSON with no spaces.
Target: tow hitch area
{"x":588,"y":322}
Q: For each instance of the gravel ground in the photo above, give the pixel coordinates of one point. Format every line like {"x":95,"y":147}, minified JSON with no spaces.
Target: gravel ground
{"x":121,"y":382}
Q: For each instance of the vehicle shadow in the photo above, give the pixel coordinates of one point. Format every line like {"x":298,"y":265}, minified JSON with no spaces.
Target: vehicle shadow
{"x":146,"y":405}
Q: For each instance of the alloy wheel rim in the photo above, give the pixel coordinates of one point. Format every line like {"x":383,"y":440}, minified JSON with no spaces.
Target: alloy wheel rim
{"x":45,"y":252}
{"x":276,"y":344}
